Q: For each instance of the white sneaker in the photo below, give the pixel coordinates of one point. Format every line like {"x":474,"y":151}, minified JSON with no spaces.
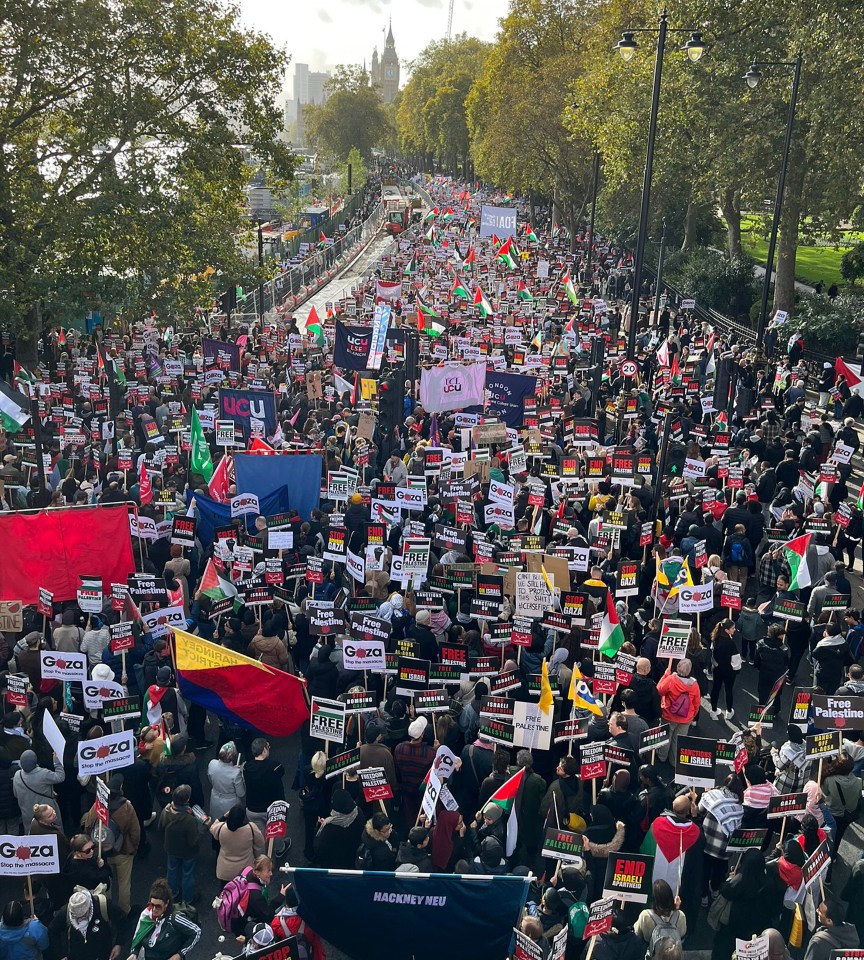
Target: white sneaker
{"x":715,"y":714}
{"x":730,"y":714}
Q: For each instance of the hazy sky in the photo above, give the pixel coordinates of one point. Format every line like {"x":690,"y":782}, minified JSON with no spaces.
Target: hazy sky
{"x":345,"y":31}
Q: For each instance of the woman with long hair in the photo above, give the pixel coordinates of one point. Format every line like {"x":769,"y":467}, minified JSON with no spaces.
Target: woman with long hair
{"x":727,"y":663}
{"x":239,"y":843}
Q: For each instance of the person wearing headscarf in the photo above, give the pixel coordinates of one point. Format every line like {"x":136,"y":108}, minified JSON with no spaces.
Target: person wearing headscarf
{"x":87,"y":928}
{"x":757,"y":793}
{"x":338,"y":834}
{"x":226,"y":780}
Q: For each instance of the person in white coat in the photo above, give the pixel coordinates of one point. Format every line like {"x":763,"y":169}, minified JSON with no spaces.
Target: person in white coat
{"x":226,"y":780}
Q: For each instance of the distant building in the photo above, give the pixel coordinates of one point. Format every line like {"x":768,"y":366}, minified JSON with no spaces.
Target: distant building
{"x":310,"y":87}
{"x":384,"y":71}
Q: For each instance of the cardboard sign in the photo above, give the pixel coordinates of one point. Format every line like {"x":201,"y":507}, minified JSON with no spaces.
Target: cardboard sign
{"x":121,"y":708}
{"x":696,"y":599}
{"x":16,"y":689}
{"x":122,"y":636}
{"x":837,"y":712}
{"x":327,"y":720}
{"x":730,"y":595}
{"x":755,"y":949}
{"x":100,"y":807}
{"x":629,"y":877}
{"x":592,"y":760}
{"x":161,"y":622}
{"x":564,"y":845}
{"x":374,"y":783}
{"x":533,"y":597}
{"x":325,"y":622}
{"x":106,"y":753}
{"x":183,"y":531}
{"x":817,"y":863}
{"x":788,"y":609}
{"x":45,"y":604}
{"x":696,"y":762}
{"x":12,"y":616}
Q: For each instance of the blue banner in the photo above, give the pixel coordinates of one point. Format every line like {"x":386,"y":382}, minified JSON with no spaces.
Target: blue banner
{"x":212,"y":514}
{"x":498,"y":220}
{"x":399,"y":916}
{"x":242,"y":406}
{"x":507,"y":393}
{"x":300,"y":473}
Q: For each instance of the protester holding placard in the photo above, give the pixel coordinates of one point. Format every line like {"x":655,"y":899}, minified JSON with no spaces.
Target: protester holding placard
{"x":726,"y":663}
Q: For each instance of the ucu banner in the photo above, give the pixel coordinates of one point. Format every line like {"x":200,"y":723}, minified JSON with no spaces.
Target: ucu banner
{"x":452,"y":387}
{"x":506,"y":393}
{"x":244,"y":406}
{"x":351,"y":349}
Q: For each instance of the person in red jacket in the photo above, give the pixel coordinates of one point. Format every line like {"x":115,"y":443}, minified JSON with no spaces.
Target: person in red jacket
{"x":679,"y":702}
{"x":287,"y":922}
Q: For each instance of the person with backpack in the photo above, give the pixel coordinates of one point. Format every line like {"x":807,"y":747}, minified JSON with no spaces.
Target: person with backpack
{"x":239,"y":843}
{"x":664,"y":920}
{"x":738,"y":559}
{"x":120,"y":839}
{"x":245,"y":900}
{"x":87,"y":928}
{"x":376,"y":850}
{"x":842,"y":792}
{"x":680,"y":700}
{"x":162,"y":933}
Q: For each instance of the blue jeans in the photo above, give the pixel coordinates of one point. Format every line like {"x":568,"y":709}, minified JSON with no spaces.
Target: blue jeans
{"x":181,"y":878}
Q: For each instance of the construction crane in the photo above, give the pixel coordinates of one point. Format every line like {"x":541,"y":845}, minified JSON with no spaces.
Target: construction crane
{"x":450,"y":20}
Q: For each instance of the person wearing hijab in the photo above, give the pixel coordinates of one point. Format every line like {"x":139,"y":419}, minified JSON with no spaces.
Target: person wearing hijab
{"x":338,"y":834}
{"x":448,"y":839}
{"x":787,"y":877}
{"x":757,"y":793}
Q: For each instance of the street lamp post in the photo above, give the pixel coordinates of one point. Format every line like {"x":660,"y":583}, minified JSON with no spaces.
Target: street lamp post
{"x":593,"y":215}
{"x":659,"y":288}
{"x":627,"y":46}
{"x":752,"y":77}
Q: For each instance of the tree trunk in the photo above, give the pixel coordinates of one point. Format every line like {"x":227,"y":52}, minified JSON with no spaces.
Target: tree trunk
{"x":27,"y":342}
{"x":690,"y":225}
{"x":730,"y":205}
{"x":556,"y":209}
{"x":787,"y":246}
{"x":573,"y":222}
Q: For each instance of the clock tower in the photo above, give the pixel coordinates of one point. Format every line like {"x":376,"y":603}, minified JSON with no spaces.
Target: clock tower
{"x":389,"y":69}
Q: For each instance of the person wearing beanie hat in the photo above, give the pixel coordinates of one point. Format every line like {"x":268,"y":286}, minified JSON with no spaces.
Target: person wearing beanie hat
{"x":67,"y":636}
{"x":87,"y":928}
{"x":33,"y":784}
{"x":413,"y":758}
{"x":338,"y":834}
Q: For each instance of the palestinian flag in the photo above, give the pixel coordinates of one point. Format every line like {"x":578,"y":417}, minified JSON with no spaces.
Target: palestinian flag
{"x":529,"y":233}
{"x":410,"y":267}
{"x":459,"y":290}
{"x":859,"y":503}
{"x":313,"y":327}
{"x":322,"y":240}
{"x":431,"y":324}
{"x":448,"y":215}
{"x":430,"y":235}
{"x":508,"y":797}
{"x":668,"y":841}
{"x":13,"y":408}
{"x":796,"y":557}
{"x":214,"y":585}
{"x":431,"y":214}
{"x":611,"y":634}
{"x":471,"y":257}
{"x":523,"y":292}
{"x":426,"y":309}
{"x":24,"y":376}
{"x":570,"y":290}
{"x":482,"y":303}
{"x":505,"y":255}
{"x":675,"y":372}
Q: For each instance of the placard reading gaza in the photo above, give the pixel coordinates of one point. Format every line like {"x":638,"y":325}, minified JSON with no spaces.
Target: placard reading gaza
{"x":106,"y":753}
{"x":695,"y":762}
{"x":63,"y":666}
{"x":629,"y":877}
{"x":28,"y":856}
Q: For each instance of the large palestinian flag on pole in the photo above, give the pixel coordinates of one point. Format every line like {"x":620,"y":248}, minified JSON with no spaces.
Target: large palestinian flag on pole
{"x":507,"y":797}
{"x":796,"y":557}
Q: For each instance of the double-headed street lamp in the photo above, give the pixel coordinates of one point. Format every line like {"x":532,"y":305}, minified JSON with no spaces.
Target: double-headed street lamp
{"x":626,"y":47}
{"x":752,"y":78}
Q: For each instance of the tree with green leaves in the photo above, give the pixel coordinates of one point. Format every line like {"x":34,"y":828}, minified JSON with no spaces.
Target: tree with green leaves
{"x":120,"y":178}
{"x":352,"y":118}
{"x":516,"y":107}
{"x":431,"y":116}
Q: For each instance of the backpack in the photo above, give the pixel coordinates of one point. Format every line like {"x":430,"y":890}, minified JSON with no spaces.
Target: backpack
{"x":110,"y":833}
{"x":363,"y":857}
{"x":281,"y":930}
{"x":663,"y":930}
{"x":234,"y":899}
{"x":680,"y":706}
{"x":736,"y":553}
{"x":99,"y":898}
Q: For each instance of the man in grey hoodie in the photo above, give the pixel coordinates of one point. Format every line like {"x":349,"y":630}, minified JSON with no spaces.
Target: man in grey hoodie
{"x":833,"y":932}
{"x":34,"y":784}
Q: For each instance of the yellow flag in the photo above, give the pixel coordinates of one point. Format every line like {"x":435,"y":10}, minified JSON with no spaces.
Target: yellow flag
{"x":546,"y":578}
{"x":546,"y":700}
{"x":368,"y":388}
{"x":575,"y":677}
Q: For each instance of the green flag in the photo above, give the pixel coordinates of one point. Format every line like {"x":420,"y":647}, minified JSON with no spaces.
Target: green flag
{"x":199,"y":458}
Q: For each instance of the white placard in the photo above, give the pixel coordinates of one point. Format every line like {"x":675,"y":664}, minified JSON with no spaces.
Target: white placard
{"x":53,"y":735}
{"x":34,"y":855}
{"x":63,"y":666}
{"x":96,"y":692}
{"x":244,"y":503}
{"x":106,"y":753}
{"x":159,"y":622}
{"x":533,"y":598}
{"x":364,"y":655}
{"x":280,"y":539}
{"x":696,"y":599}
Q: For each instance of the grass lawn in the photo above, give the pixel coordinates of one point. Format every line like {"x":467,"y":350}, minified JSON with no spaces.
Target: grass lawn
{"x":812,"y":263}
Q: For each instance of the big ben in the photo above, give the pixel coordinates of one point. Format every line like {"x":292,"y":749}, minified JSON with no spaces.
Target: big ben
{"x":389,"y":69}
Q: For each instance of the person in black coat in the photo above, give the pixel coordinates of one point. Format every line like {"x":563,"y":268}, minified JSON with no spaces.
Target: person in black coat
{"x":322,"y":674}
{"x":377,"y":851}
{"x":338,"y":834}
{"x":621,"y":943}
{"x":772,"y":661}
{"x":82,"y":867}
{"x":97,"y":939}
{"x":427,"y":646}
{"x":137,"y":787}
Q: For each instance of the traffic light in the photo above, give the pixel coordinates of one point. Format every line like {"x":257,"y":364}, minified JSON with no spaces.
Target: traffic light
{"x":675,"y":458}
